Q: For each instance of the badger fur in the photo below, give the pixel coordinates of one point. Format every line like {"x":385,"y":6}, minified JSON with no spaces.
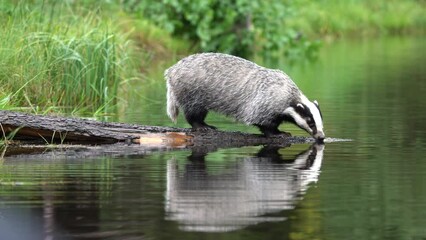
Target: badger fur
{"x":241,"y":89}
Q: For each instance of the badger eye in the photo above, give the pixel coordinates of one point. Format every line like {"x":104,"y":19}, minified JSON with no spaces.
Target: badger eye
{"x":311,"y":123}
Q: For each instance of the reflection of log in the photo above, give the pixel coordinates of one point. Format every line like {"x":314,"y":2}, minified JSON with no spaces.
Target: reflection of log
{"x":44,"y":153}
{"x":60,"y":129}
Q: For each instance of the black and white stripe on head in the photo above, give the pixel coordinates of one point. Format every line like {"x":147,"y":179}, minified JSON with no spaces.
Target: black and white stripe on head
{"x":317,"y":105}
{"x":304,"y":112}
{"x":307,"y":115}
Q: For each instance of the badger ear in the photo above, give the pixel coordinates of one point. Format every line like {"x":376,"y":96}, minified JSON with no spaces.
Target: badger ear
{"x":316,"y":103}
{"x":299,"y":105}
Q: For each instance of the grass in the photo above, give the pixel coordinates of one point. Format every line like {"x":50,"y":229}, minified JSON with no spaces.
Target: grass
{"x":56,"y":57}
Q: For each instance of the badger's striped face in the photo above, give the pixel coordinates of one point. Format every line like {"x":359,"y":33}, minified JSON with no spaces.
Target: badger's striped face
{"x":307,"y":115}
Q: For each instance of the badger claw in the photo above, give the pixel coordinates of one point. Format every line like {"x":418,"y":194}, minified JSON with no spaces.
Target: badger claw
{"x":202,"y":127}
{"x":282,"y":135}
{"x":285,"y":134}
{"x":272,"y":131}
{"x":278,"y":134}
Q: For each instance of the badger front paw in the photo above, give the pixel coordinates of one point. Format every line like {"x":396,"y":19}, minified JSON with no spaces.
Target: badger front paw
{"x":277,"y":134}
{"x":202,"y":127}
{"x":284,"y":134}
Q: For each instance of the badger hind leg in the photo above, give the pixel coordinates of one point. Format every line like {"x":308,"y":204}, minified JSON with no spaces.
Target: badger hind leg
{"x":196,"y":119}
{"x":272,"y":130}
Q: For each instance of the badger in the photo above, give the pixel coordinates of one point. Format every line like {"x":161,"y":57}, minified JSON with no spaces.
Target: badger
{"x":240,"y":89}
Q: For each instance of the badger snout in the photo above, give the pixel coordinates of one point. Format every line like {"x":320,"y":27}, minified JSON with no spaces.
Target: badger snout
{"x":319,"y":136}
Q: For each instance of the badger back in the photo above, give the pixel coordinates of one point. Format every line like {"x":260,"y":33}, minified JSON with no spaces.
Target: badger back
{"x":232,"y":86}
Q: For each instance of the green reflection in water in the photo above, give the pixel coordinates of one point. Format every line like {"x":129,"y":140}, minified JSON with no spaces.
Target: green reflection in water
{"x":370,"y":188}
{"x":372,"y":92}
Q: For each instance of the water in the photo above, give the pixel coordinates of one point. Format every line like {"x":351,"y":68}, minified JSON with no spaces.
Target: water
{"x":373,"y":187}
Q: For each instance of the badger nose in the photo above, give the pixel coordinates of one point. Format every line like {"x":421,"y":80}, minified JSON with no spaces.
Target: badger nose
{"x":320,"y":136}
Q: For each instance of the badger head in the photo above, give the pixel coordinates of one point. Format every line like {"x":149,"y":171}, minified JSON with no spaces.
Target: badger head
{"x":307,"y":115}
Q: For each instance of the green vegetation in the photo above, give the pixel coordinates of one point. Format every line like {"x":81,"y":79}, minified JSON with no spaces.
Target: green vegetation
{"x":79,"y":56}
{"x":65,"y":58}
{"x":57,"y":59}
{"x":359,"y":17}
{"x":279,"y":28}
{"x":241,"y":27}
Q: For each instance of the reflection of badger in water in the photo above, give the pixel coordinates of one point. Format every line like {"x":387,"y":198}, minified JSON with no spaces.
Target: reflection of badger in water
{"x":243,"y":196}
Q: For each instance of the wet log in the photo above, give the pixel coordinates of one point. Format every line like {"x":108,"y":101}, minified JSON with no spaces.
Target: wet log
{"x":25,"y":126}
{"x":53,"y":129}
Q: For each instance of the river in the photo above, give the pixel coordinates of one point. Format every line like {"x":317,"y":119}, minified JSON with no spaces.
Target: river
{"x":372,"y":187}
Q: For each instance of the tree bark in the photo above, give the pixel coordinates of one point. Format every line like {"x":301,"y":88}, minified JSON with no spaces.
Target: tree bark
{"x":53,"y":129}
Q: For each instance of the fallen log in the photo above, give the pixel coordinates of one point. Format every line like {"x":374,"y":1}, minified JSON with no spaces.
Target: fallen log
{"x":53,"y":129}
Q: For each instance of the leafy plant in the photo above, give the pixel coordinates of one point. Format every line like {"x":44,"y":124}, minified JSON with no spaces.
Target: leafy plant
{"x":239,"y":27}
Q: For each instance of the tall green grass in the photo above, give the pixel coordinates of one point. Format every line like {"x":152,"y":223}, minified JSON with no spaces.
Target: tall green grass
{"x":57,"y":56}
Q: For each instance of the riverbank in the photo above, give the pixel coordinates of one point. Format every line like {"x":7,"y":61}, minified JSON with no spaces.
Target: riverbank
{"x":78,"y":58}
{"x":361,"y":18}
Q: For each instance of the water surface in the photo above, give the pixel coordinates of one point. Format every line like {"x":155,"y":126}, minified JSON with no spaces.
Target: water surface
{"x":373,"y":187}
